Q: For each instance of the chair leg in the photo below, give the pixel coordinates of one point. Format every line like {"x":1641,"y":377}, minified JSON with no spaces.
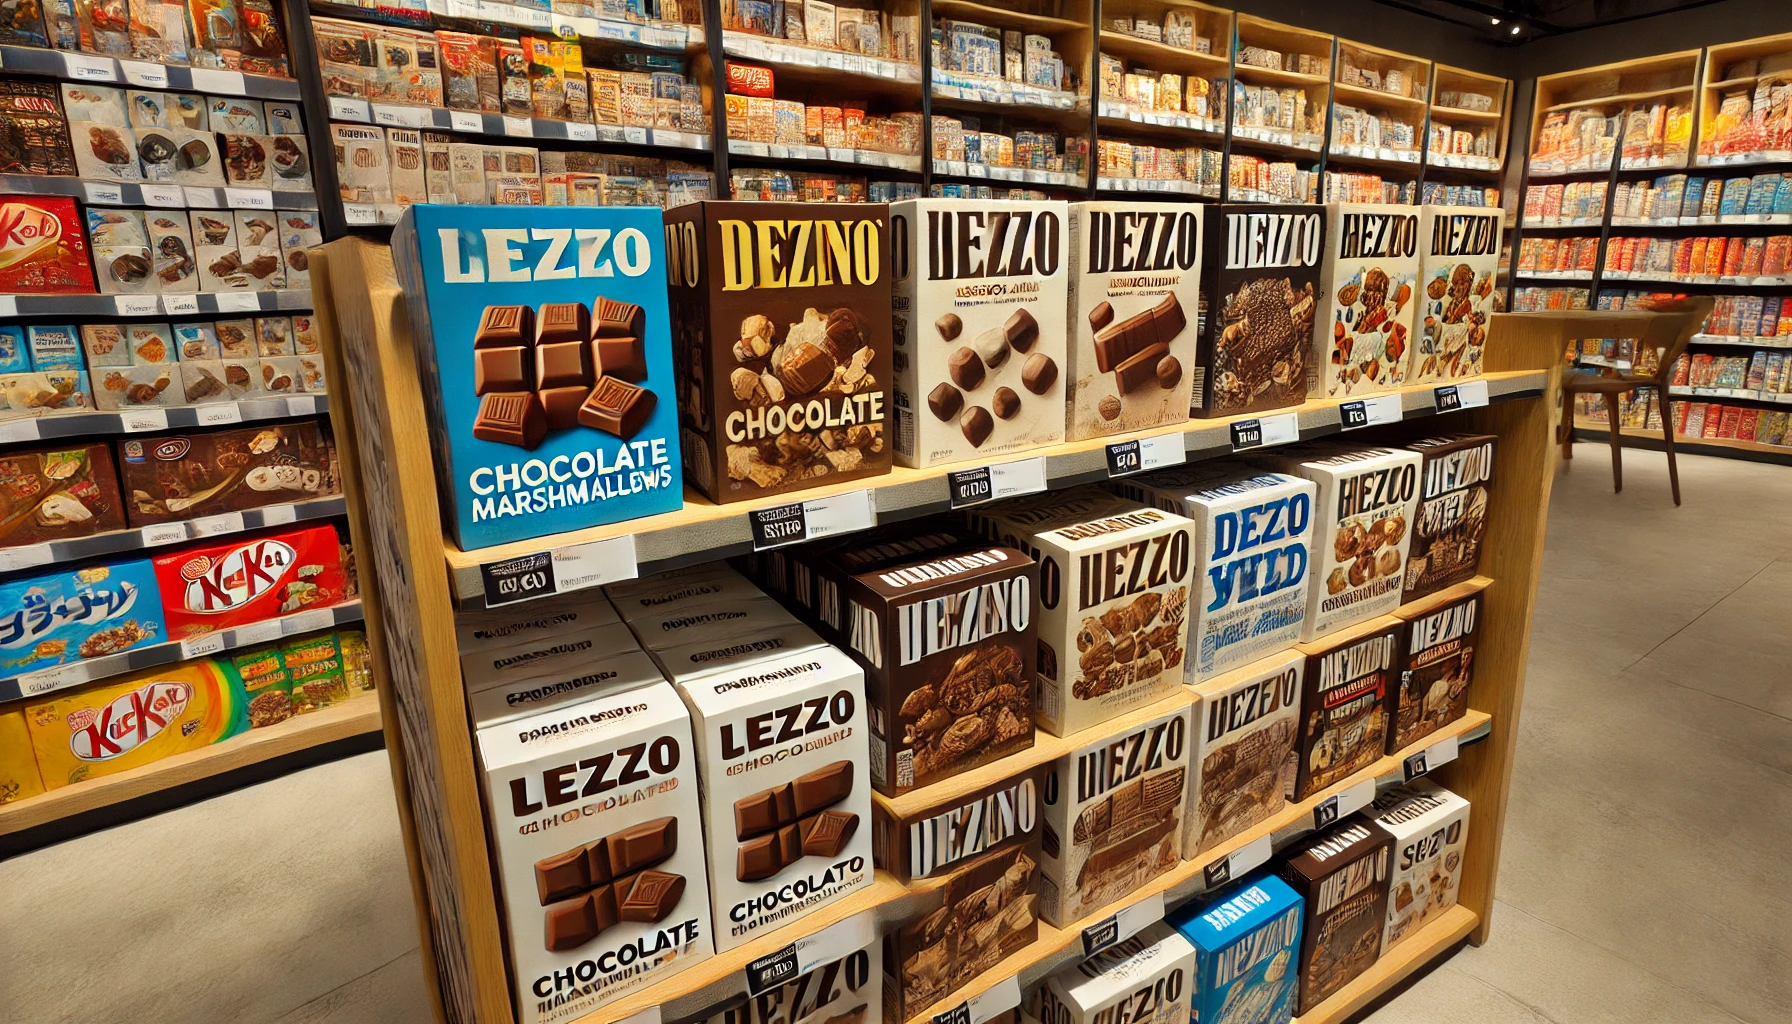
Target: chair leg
{"x":1667,"y":436}
{"x":1611,"y":419}
{"x":1565,"y":432}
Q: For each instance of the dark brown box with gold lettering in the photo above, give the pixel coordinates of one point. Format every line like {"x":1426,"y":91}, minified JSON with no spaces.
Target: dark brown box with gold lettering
{"x":781,"y":340}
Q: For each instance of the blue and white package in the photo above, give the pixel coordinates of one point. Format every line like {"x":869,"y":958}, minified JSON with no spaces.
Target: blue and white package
{"x":15,"y":357}
{"x":1253,"y":558}
{"x":65,"y":617}
{"x":1247,"y":953}
{"x":543,"y":340}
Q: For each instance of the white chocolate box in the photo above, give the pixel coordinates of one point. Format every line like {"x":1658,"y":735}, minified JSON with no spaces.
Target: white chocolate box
{"x":1430,"y":828}
{"x":1459,"y":262}
{"x":1147,"y":979}
{"x":1363,"y":343}
{"x":1242,"y":766}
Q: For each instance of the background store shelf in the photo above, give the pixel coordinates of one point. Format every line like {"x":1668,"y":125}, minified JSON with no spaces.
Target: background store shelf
{"x":153,"y":538}
{"x":153,"y":306}
{"x":155,"y":195}
{"x":91,"y":69}
{"x":216,"y":414}
{"x":62,"y":677}
{"x":473,"y":122}
{"x":702,"y":531}
{"x":355,"y":717}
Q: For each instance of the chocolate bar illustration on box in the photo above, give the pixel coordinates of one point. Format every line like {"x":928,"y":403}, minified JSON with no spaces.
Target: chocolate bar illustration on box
{"x":1344,"y":703}
{"x":1437,"y":663}
{"x":987,"y":910}
{"x":1243,"y":757}
{"x":1260,"y":276}
{"x":1135,"y":296}
{"x":544,"y":335}
{"x":1341,"y":875}
{"x":592,"y":887}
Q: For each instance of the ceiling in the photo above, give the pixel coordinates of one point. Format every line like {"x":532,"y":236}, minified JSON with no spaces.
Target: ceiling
{"x":1517,"y":21}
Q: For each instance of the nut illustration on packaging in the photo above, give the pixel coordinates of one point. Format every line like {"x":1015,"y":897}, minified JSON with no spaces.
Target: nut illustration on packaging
{"x":1459,"y":264}
{"x":1371,"y":265}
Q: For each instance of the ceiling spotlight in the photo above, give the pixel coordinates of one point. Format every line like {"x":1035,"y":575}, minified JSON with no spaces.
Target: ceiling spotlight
{"x":1496,"y":21}
{"x":1517,"y":29}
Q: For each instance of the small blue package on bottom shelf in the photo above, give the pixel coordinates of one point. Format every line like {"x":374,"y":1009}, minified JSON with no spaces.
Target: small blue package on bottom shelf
{"x":1247,"y":952}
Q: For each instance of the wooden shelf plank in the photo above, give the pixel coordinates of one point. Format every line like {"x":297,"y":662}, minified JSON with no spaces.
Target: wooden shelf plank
{"x":1122,"y":45}
{"x":353,"y":718}
{"x":1395,"y":965}
{"x":969,"y":11}
{"x":1360,"y":94}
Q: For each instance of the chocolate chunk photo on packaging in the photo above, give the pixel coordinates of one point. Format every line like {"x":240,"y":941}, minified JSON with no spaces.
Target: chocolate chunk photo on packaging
{"x":196,"y":160}
{"x":97,"y":103}
{"x":246,"y":160}
{"x":119,"y":241}
{"x":152,"y":110}
{"x":104,"y":151}
{"x":171,"y":251}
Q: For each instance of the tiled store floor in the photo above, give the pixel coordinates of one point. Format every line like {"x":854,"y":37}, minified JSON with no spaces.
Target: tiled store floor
{"x":1645,"y":878}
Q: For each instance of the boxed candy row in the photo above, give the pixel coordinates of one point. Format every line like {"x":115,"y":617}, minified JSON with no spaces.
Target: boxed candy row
{"x":240,"y":35}
{"x":108,"y":608}
{"x":867,"y":31}
{"x":121,"y":724}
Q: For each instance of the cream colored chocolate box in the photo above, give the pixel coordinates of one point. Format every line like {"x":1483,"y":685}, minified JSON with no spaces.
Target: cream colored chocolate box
{"x":1459,"y":263}
{"x":1243,"y":760}
{"x":1113,"y":600}
{"x":1362,"y":529}
{"x":1365,"y":343}
{"x":1113,"y":817}
{"x":1430,"y":827}
{"x":978,"y":300}
{"x":1135,"y":295}
{"x":1147,"y":979}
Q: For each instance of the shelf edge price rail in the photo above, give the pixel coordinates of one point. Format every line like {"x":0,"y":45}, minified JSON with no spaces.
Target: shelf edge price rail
{"x":559,"y":570}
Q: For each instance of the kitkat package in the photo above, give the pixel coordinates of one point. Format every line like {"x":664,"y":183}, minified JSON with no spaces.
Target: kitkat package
{"x":248,"y":580}
{"x":129,"y":722}
{"x":42,"y":247}
{"x":547,"y":365}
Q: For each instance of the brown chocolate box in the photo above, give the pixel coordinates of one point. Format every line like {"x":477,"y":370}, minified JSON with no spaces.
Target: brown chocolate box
{"x":1437,"y":666}
{"x":1342,"y":876}
{"x":49,"y":494}
{"x":920,"y":838}
{"x":781,"y":340}
{"x":1344,"y":703}
{"x":1455,"y":492}
{"x":945,"y":642}
{"x":185,"y":476}
{"x":985,"y":912}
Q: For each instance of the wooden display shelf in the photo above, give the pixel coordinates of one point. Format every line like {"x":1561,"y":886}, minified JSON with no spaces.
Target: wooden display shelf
{"x":1447,"y":114}
{"x":1057,"y":945}
{"x":1120,"y":44}
{"x":1362,"y":95}
{"x":1278,"y":76}
{"x":1617,"y":83}
{"x":1728,"y":447}
{"x":1395,"y":966}
{"x":966,"y":10}
{"x":356,"y":717}
{"x":1718,"y":59}
{"x":703,"y":531}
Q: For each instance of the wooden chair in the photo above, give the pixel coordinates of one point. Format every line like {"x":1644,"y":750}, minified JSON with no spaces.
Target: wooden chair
{"x":1668,"y":335}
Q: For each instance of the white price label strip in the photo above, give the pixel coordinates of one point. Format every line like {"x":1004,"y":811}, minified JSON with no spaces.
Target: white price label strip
{"x":307,"y":621}
{"x":465,"y":121}
{"x":180,"y":305}
{"x":107,"y":192}
{"x":256,"y":632}
{"x":599,"y":562}
{"x":344,"y":108}
{"x":201,"y":197}
{"x":238,"y":302}
{"x":164,"y":533}
{"x":249,"y":198}
{"x":360,"y":215}
{"x":217,"y":80}
{"x":1236,"y":864}
{"x":84,"y":68}
{"x":18,"y":430}
{"x":218,"y":525}
{"x":164,"y":196}
{"x":279,"y":515}
{"x":579,"y":132}
{"x":50,"y":679}
{"x":1432,"y":758}
{"x":1146,"y":453}
{"x":136,"y":421}
{"x":805,"y":954}
{"x":24,"y":557}
{"x":401,"y":117}
{"x":1123,"y":924}
{"x":218,"y":414}
{"x":1368,"y":412}
{"x":144,"y":74}
{"x":1283,"y":428}
{"x":520,"y":127}
{"x":1470,"y":394}
{"x":1338,"y":805}
{"x":999,"y":998}
{"x":9,"y":305}
{"x":989,"y":483}
{"x":842,"y":513}
{"x":201,"y":646}
{"x":301,"y":405}
{"x":137,"y":305}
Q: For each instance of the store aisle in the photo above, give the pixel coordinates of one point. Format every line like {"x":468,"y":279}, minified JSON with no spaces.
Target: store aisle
{"x":1645,"y":878}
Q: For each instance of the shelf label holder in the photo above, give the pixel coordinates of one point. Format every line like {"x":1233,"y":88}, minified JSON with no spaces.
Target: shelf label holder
{"x":1370,"y":412}
{"x":965,"y":487}
{"x":1263,"y":431}
{"x":1141,"y":454}
{"x":1123,"y":924}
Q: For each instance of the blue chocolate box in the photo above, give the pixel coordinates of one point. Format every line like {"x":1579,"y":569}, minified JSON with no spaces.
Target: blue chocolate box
{"x":1247,"y":952}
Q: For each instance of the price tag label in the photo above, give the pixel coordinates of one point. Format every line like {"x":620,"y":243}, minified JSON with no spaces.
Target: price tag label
{"x":201,"y":646}
{"x":519,"y":127}
{"x":301,"y":405}
{"x":578,"y":131}
{"x":280,"y":515}
{"x":163,"y":533}
{"x":1001,"y":997}
{"x":1123,"y":924}
{"x":808,"y":520}
{"x":1145,"y":453}
{"x":807,"y":953}
{"x":12,"y":431}
{"x":1265,"y":430}
{"x":517,"y":579}
{"x":851,"y":63}
{"x":1470,"y":394}
{"x":107,"y":192}
{"x":255,"y":633}
{"x":465,"y":121}
{"x":180,"y":305}
{"x":1338,"y":805}
{"x":990,"y":483}
{"x":1432,"y":758}
{"x":402,"y":117}
{"x":144,"y":74}
{"x":58,"y":678}
{"x":163,"y":196}
{"x":218,"y":414}
{"x":635,"y":136}
{"x":1367,"y":412}
{"x":1238,"y":863}
{"x":137,"y":305}
{"x":580,"y":566}
{"x":307,"y":621}
{"x":217,"y":80}
{"x":216,"y":526}
{"x":347,"y":108}
{"x":136,"y":421}
{"x":200,"y":197}
{"x":25,"y":557}
{"x":360,"y":215}
{"x":237,"y":302}
{"x":86,"y":68}
{"x":249,"y":198}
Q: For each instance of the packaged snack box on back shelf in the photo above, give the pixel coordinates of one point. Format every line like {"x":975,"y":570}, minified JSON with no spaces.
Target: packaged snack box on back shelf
{"x":563,"y":374}
{"x":58,"y":494}
{"x":1430,"y":829}
{"x":1455,"y":493}
{"x":125,"y":723}
{"x":1261,"y":275}
{"x":602,"y":898}
{"x":1247,"y":943}
{"x":186,"y":476}
{"x":1246,"y":722}
{"x":1459,"y":258}
{"x":1118,"y":604}
{"x":978,"y":288}
{"x":1371,"y":264}
{"x":1341,"y":875}
{"x":1364,"y":512}
{"x":1437,"y":662}
{"x":221,"y":586}
{"x":1135,"y":297}
{"x":1113,"y":817}
{"x":786,"y":835}
{"x":64,"y":617}
{"x":1146,"y":979}
{"x":784,"y":364}
{"x":1252,"y":552}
